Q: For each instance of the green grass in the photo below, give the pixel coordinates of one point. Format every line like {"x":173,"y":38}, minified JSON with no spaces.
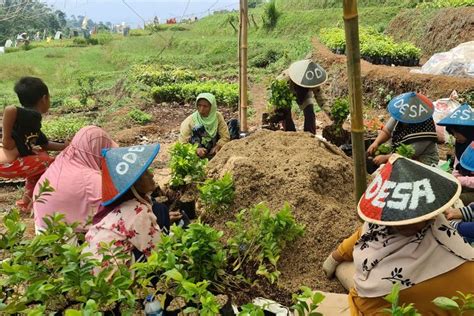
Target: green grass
{"x":214,"y":56}
{"x":323,"y":4}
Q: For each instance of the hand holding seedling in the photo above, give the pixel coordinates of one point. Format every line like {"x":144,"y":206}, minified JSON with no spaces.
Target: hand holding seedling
{"x":453,"y":213}
{"x":201,"y":152}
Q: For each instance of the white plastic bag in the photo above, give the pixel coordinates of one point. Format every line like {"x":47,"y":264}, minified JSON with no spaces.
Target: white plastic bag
{"x":458,"y":62}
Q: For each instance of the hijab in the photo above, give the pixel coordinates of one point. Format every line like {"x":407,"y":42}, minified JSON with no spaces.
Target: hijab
{"x":383,"y":257}
{"x":210,"y":122}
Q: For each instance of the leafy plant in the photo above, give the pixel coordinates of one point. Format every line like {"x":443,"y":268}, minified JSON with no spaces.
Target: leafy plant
{"x":138,"y":116}
{"x":158,"y":75}
{"x":87,"y":88}
{"x":251,"y":310}
{"x":445,"y":4}
{"x":186,"y":166}
{"x":375,"y":47}
{"x":462,"y":303}
{"x":405,"y":150}
{"x":383,"y":149}
{"x":281,"y":96}
{"x":301,"y":302}
{"x":395,"y":310}
{"x":259,"y":237}
{"x":217,"y":195}
{"x":63,"y":127}
{"x":271,"y":15}
{"x":225,"y":93}
{"x":340,"y":110}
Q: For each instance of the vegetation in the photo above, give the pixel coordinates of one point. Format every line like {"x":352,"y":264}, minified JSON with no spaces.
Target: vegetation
{"x":217,"y":195}
{"x":140,"y":117}
{"x":375,"y":47}
{"x":159,"y":75}
{"x":226,"y":93}
{"x":186,"y":166}
{"x":407,"y":151}
{"x":63,"y":127}
{"x":271,"y":15}
{"x":395,"y":310}
{"x":301,"y":302}
{"x":281,"y":96}
{"x":445,"y":4}
{"x":383,"y":149}
{"x":260,"y":237}
{"x":462,"y":303}
{"x":340,"y":110}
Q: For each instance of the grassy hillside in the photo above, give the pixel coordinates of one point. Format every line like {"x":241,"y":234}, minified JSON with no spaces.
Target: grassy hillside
{"x":323,"y":4}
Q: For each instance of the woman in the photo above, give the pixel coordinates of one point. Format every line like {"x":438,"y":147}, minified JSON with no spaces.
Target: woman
{"x":405,"y":239}
{"x":305,"y":77}
{"x":76,"y":179}
{"x":460,"y":124}
{"x":411,"y":123}
{"x":126,"y":217}
{"x":206,"y":127}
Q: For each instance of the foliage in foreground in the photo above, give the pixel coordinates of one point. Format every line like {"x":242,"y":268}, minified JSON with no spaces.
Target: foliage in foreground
{"x":217,"y":194}
{"x":186,"y":166}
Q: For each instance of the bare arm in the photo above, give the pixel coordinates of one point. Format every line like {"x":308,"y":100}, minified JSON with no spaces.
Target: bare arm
{"x":9,"y":118}
{"x":54,"y":146}
{"x":383,"y":136}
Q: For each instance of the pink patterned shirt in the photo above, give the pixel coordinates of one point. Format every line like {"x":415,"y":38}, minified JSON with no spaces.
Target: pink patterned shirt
{"x":130,"y":225}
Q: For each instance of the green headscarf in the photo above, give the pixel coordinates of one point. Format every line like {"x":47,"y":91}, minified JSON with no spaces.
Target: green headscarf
{"x":210,"y":122}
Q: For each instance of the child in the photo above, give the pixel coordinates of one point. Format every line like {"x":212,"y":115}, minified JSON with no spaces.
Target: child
{"x":126,"y":218}
{"x":411,"y":123}
{"x":460,"y":124}
{"x":22,"y":154}
{"x":465,"y":227}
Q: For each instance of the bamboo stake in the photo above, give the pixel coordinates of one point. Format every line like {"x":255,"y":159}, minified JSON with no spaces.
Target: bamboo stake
{"x":351,"y":26}
{"x":243,"y":44}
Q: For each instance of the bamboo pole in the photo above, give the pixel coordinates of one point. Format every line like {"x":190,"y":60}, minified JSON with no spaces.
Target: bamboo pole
{"x":351,"y":26}
{"x":243,"y":44}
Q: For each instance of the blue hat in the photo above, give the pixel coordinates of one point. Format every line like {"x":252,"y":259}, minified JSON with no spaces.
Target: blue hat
{"x":411,"y":107}
{"x":467,"y":158}
{"x":122,"y":167}
{"x":463,"y":115}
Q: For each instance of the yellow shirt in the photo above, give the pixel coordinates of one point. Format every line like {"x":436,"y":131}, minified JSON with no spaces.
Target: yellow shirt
{"x":188,"y":124}
{"x":421,"y":294}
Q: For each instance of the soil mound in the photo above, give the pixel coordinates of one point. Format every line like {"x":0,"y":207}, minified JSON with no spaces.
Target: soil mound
{"x":434,"y":31}
{"x":314,"y":177}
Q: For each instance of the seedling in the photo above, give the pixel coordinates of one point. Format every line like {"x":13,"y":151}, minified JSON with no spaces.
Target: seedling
{"x":395,"y":310}
{"x":186,"y":166}
{"x":407,"y":151}
{"x":217,"y":195}
{"x":307,"y":302}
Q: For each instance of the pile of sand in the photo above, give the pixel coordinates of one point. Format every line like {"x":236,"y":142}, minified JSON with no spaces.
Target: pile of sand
{"x":316,"y":179}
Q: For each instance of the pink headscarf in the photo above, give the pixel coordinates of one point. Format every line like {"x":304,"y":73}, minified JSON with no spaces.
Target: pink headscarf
{"x":76,"y":178}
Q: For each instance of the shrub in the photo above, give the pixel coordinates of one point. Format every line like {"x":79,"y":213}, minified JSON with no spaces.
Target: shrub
{"x":265,"y":59}
{"x":140,"y":117}
{"x":138,"y":32}
{"x":155,"y":75}
{"x":271,"y":15}
{"x":104,"y":38}
{"x":79,"y":41}
{"x":259,"y":237}
{"x":445,"y":4}
{"x":63,"y":128}
{"x":340,"y":111}
{"x":280,"y":95}
{"x":186,"y":167}
{"x":87,"y":88}
{"x":226,"y":93}
{"x":217,"y":195}
{"x":374,"y":47}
